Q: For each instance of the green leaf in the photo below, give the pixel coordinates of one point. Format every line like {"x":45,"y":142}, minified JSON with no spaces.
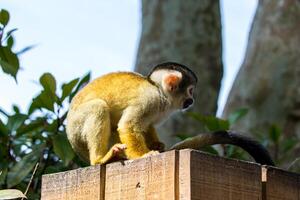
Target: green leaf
{"x":216,"y":124}
{"x":195,"y":116}
{"x":16,"y":108}
{"x":62,"y":148}
{"x":3,"y":130}
{"x":34,"y":125}
{"x":212,"y":123}
{"x":10,"y":42}
{"x":8,"y":68}
{"x":9,"y":61}
{"x":3,"y":112}
{"x":22,"y":168}
{"x":43,"y":100}
{"x":288,"y":144}
{"x":24,"y":50}
{"x":237,"y":115}
{"x":15,"y":121}
{"x":9,"y":33}
{"x":3,"y":176}
{"x":210,"y":149}
{"x":52,"y":127}
{"x":182,"y":136}
{"x":52,"y":169}
{"x":80,"y":85}
{"x":4,"y":17}
{"x":11,"y":194}
{"x":274,"y":133}
{"x":230,"y":149}
{"x":48,"y":82}
{"x":67,"y":88}
{"x":235,"y":152}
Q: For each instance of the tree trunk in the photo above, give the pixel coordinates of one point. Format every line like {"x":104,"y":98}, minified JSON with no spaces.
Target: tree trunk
{"x":268,"y":82}
{"x":187,"y":32}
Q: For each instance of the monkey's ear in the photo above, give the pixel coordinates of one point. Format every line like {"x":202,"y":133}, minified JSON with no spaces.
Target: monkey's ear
{"x":171,"y":81}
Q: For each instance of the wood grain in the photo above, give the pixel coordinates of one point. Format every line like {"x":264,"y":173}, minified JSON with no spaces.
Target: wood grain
{"x":282,"y":185}
{"x":174,"y":175}
{"x":203,"y":176}
{"x":79,"y":184}
{"x":149,"y":178}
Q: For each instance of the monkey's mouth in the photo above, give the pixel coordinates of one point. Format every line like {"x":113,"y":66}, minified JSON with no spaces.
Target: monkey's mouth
{"x":187,"y":103}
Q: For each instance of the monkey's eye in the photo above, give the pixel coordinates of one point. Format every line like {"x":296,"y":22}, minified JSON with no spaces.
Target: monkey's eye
{"x":191,"y":90}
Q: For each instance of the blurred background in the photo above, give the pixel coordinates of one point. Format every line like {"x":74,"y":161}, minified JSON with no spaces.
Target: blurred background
{"x":245,"y":54}
{"x":73,"y":38}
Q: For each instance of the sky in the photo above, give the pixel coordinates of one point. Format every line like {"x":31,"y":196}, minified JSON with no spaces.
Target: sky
{"x":73,"y":38}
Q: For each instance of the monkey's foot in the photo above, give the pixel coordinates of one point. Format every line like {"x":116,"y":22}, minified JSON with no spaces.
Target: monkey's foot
{"x":150,"y":153}
{"x":116,"y":153}
{"x":118,"y":149}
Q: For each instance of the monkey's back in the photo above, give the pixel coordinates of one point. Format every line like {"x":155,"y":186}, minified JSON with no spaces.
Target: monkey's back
{"x":118,"y":90}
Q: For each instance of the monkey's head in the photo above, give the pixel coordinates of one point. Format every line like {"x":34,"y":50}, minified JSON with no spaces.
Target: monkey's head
{"x":177,"y":81}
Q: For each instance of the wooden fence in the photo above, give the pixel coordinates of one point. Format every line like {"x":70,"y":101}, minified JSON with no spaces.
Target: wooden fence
{"x":174,"y":175}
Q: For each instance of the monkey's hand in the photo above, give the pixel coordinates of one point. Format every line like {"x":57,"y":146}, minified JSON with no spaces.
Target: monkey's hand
{"x":150,"y":153}
{"x":153,"y":140}
{"x":159,"y":146}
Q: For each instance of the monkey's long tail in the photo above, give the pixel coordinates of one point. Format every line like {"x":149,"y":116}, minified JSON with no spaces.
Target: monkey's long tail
{"x":254,"y":148}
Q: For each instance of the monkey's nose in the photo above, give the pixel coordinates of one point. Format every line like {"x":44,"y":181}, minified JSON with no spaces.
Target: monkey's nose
{"x":187,"y":103}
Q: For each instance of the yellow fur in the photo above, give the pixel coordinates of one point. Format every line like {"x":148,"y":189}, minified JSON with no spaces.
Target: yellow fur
{"x":117,"y":107}
{"x":114,"y":115}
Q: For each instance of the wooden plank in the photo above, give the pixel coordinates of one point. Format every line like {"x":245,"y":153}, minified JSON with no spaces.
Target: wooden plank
{"x":174,"y":175}
{"x":148,"y":178}
{"x":79,"y":184}
{"x":203,"y":176}
{"x":184,"y":178}
{"x":282,"y":185}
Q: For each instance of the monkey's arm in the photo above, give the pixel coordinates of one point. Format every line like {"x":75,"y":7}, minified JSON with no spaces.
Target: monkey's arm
{"x":255,"y":149}
{"x":135,"y":143}
{"x":131,"y":129}
{"x":153,"y":141}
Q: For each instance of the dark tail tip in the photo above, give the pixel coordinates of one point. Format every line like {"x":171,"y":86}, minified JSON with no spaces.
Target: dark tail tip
{"x":254,"y":148}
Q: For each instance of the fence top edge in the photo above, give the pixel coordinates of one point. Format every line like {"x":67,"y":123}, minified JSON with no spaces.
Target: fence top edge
{"x":192,"y":152}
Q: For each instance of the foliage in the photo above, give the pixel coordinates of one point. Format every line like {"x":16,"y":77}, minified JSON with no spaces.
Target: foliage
{"x":9,"y":61}
{"x":212,"y":123}
{"x":280,"y":146}
{"x":39,"y":135}
{"x":11,"y":194}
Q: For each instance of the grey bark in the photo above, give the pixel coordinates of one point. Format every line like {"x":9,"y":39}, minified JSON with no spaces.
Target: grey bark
{"x":268,"y":82}
{"x":187,"y":32}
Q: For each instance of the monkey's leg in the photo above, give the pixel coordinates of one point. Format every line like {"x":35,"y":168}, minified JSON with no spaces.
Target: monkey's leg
{"x":153,"y":141}
{"x":96,"y":129}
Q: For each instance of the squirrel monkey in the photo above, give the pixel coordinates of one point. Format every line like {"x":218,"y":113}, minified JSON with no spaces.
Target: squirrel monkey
{"x":115,"y":114}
